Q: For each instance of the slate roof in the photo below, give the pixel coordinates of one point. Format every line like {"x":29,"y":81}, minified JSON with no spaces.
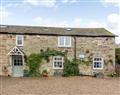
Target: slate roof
{"x":36,"y":30}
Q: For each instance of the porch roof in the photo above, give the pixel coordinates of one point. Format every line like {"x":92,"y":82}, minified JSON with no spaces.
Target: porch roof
{"x":16,"y":51}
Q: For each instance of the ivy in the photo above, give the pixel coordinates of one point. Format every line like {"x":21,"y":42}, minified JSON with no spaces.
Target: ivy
{"x":34,"y":61}
{"x":71,"y":68}
{"x":48,"y":53}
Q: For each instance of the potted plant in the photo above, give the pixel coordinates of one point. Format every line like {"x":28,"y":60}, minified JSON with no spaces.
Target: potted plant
{"x":44,"y":73}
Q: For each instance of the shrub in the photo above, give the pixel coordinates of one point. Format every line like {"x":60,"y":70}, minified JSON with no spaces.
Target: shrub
{"x":112,"y":74}
{"x":33,"y":61}
{"x":117,"y":52}
{"x":45,"y":73}
{"x":70,"y":68}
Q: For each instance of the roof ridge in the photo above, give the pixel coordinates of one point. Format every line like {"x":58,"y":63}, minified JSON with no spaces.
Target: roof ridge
{"x":53,"y":27}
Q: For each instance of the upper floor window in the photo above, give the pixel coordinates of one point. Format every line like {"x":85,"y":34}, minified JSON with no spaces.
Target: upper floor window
{"x":58,"y":62}
{"x":64,"y":41}
{"x":19,"y":40}
{"x":97,"y":63}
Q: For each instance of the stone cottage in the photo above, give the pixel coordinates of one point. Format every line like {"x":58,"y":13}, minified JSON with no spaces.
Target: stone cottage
{"x":81,"y":43}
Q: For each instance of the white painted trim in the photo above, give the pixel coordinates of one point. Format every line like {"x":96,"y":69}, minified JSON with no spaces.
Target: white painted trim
{"x":17,"y":41}
{"x":64,"y":41}
{"x":61,"y":60}
{"x":102,"y":65}
{"x":18,"y":49}
{"x":23,"y":59}
{"x":20,"y":65}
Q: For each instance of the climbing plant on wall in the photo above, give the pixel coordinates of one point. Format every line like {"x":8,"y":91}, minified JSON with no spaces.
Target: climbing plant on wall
{"x":34,"y":60}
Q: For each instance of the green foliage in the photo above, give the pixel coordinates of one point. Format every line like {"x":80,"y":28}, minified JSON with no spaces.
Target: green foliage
{"x":44,"y":71}
{"x":84,"y":61}
{"x":70,"y":68}
{"x":117,"y":51}
{"x":48,"y":53}
{"x":33,"y":62}
{"x":87,"y":61}
{"x":112,"y":74}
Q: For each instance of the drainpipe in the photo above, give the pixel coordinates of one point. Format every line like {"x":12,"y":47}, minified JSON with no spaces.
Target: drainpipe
{"x":74,"y":47}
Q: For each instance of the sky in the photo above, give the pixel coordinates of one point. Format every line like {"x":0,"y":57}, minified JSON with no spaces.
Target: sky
{"x":63,"y":13}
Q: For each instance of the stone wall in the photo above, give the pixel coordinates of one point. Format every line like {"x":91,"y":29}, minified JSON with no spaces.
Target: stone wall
{"x":95,"y":46}
{"x":3,"y":52}
{"x":98,"y":46}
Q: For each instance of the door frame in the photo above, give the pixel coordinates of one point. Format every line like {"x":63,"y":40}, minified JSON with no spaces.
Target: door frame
{"x":12,"y":58}
{"x":14,"y":52}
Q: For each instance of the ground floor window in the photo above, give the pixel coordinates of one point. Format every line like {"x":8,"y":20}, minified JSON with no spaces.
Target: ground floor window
{"x":97,"y":63}
{"x":58,"y":62}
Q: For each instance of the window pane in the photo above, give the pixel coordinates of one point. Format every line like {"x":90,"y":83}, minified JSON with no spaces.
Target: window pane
{"x":97,"y":62}
{"x":58,"y":62}
{"x":99,"y":65}
{"x":19,"y":39}
{"x":95,"y":65}
{"x":61,"y":41}
{"x":54,"y":64}
{"x":95,"y":59}
{"x":67,"y":41}
{"x":60,"y":58}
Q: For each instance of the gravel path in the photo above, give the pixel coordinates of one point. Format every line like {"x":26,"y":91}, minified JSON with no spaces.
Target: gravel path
{"x":60,"y":86}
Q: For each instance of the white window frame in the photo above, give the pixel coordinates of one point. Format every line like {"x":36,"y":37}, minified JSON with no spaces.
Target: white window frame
{"x":17,"y":40}
{"x":64,"y":45}
{"x":58,"y":61}
{"x":98,"y":61}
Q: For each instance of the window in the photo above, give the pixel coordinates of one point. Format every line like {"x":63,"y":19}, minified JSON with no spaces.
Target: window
{"x":58,"y":62}
{"x":19,"y":40}
{"x":18,"y":61}
{"x":64,"y":41}
{"x":97,"y":63}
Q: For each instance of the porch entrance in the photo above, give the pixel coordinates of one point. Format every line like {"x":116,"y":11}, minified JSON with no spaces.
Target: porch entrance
{"x":16,"y":60}
{"x":17,"y":63}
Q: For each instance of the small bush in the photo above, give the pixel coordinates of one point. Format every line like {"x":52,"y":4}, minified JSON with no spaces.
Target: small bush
{"x":117,"y":54}
{"x":45,"y":73}
{"x":112,"y":74}
{"x":70,"y":68}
